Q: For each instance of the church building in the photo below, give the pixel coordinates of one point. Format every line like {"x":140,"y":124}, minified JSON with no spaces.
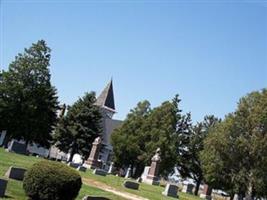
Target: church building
{"x":107,"y":105}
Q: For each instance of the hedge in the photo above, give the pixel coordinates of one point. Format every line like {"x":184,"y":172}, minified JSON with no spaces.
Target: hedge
{"x":48,"y":180}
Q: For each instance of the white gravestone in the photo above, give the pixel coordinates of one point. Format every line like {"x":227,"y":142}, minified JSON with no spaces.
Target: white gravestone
{"x":128,"y":173}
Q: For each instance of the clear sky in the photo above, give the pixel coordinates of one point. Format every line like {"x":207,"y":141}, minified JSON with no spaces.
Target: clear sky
{"x":209,"y":52}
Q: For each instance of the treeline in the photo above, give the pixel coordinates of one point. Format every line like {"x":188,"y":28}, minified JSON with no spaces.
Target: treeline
{"x":229,"y":154}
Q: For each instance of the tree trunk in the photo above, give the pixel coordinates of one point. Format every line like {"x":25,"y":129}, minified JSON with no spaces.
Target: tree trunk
{"x":232,"y":195}
{"x":6,"y":141}
{"x":197,"y":187}
{"x":138,"y":171}
{"x":26,"y":144}
{"x":71,"y":155}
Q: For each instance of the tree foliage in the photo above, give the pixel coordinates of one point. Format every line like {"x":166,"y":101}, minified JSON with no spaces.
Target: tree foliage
{"x":189,"y":162}
{"x":28,"y":101}
{"x":77,"y":130}
{"x":235,"y":153}
{"x":146,"y":129}
{"x":128,"y":140}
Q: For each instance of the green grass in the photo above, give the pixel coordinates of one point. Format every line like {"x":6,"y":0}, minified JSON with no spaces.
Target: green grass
{"x":148,"y":191}
{"x":15,"y":190}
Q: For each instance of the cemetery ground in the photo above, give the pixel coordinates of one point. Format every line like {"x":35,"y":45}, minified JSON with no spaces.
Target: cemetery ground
{"x":94,"y":185}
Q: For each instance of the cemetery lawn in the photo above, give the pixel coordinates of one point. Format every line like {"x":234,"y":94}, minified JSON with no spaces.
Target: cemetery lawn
{"x":148,"y":191}
{"x":15,"y":190}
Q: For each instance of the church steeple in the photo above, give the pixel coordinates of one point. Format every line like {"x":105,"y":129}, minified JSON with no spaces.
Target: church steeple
{"x":106,"y":98}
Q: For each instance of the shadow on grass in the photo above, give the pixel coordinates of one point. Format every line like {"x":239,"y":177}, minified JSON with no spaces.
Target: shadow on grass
{"x":8,"y":197}
{"x":97,"y":198}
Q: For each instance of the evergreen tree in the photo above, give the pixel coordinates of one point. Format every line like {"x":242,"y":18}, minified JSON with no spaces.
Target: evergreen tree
{"x":78,"y":129}
{"x":128,"y":140}
{"x":28,"y":101}
{"x":189,"y":162}
{"x":159,"y":132}
{"x":144,"y":131}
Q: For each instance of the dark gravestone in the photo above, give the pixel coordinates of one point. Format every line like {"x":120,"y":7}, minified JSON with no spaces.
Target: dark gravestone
{"x":131,"y":185}
{"x":188,"y":188}
{"x":171,"y":190}
{"x":82,"y":168}
{"x":3,"y":184}
{"x":15,"y":173}
{"x":100,"y":172}
{"x":17,"y":147}
{"x":94,"y":198}
{"x":73,"y":165}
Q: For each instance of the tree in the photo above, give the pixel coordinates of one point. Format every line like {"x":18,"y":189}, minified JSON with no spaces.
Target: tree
{"x":159,"y":132}
{"x":78,"y":129}
{"x":144,"y":131}
{"x":189,"y":160}
{"x":28,"y":101}
{"x":235,"y":153}
{"x":128,"y":140}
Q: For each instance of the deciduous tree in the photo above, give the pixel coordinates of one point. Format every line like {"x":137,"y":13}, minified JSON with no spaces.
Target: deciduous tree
{"x":235,"y":153}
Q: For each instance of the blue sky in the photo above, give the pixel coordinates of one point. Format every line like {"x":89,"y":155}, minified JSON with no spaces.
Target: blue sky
{"x":209,"y":52}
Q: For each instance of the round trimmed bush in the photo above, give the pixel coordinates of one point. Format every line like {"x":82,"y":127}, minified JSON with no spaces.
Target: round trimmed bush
{"x":48,"y":180}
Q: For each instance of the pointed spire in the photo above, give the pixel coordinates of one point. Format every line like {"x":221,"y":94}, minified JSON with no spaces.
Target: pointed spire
{"x":106,"y":98}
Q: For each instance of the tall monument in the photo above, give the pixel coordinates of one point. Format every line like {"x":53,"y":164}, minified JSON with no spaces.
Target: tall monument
{"x":92,"y":161}
{"x":153,"y":172}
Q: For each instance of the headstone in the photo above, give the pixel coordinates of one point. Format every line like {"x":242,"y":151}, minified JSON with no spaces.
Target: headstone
{"x":94,"y":198}
{"x":92,"y":161}
{"x":134,"y":170}
{"x":15,"y":173}
{"x":17,"y":147}
{"x":188,"y":188}
{"x":171,"y":190}
{"x":128,"y":173}
{"x":145,"y":172}
{"x":131,"y":184}
{"x":3,"y":184}
{"x":122,"y":172}
{"x":238,"y":197}
{"x":100,"y":172}
{"x":152,"y":177}
{"x":111,"y":168}
{"x":73,"y":165}
{"x":82,"y":168}
{"x":206,"y":193}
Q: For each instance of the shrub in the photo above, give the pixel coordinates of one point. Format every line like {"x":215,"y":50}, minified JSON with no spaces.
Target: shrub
{"x":48,"y":180}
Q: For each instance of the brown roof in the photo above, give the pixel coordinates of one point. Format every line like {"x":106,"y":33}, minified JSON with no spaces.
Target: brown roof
{"x":106,"y":98}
